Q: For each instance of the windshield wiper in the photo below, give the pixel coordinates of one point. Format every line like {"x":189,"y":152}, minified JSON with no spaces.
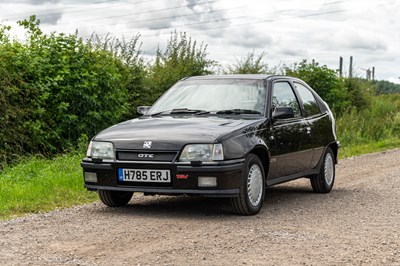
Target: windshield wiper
{"x":237,"y":112}
{"x":202,"y":112}
{"x":179,"y":111}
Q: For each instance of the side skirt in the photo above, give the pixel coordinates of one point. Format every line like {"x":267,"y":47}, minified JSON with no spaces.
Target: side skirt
{"x":284,"y":179}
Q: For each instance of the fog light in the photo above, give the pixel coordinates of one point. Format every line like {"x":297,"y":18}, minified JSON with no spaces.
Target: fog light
{"x":90,"y":177}
{"x":207,"y":181}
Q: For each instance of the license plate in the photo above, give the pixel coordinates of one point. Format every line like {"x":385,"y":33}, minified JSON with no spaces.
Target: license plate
{"x":144,"y":175}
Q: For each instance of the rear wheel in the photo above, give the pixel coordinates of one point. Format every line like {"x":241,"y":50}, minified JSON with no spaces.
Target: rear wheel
{"x":252,"y":191}
{"x":323,"y":181}
{"x":115,"y":198}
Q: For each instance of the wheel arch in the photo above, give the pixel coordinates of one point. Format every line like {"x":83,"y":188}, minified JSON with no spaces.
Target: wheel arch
{"x":335,"y":149}
{"x":263,"y":154}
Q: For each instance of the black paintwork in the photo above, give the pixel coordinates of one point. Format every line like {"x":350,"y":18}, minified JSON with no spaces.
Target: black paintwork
{"x":289,"y":148}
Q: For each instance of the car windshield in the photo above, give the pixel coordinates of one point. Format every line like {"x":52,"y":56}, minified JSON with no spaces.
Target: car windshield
{"x":222,"y":96}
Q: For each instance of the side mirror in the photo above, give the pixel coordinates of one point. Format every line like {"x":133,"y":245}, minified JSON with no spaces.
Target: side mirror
{"x":142,"y":109}
{"x":281,"y":112}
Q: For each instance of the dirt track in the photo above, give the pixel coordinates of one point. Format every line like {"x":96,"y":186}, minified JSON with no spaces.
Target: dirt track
{"x":358,"y":223}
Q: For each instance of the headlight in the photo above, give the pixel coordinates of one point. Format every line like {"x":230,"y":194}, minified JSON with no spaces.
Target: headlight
{"x":202,"y":152}
{"x":100,"y":150}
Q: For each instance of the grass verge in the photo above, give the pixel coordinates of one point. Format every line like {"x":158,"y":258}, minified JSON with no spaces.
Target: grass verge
{"x":373,"y":129}
{"x":38,"y":184}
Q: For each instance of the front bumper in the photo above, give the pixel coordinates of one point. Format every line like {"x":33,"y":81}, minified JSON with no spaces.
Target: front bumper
{"x":228,"y":175}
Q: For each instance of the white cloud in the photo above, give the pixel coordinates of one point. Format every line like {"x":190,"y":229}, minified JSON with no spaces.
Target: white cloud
{"x":394,"y":80}
{"x":288,"y":30}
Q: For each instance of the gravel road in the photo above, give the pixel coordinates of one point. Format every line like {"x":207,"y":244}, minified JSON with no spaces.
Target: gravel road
{"x":358,"y":223}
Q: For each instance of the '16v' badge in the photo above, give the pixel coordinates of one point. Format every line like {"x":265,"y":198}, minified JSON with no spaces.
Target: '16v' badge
{"x":147,"y":144}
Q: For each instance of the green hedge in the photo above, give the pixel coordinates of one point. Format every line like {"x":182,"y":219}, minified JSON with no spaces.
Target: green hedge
{"x":57,"y":90}
{"x":54,"y":90}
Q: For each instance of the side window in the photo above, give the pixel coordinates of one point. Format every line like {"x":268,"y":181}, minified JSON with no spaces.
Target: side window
{"x":283,"y":95}
{"x":310,"y":104}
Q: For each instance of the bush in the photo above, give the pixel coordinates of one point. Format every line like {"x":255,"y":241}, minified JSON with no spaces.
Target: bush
{"x":377,"y":126}
{"x":250,"y":65}
{"x":340,"y":93}
{"x":54,"y":89}
{"x":324,"y":81}
{"x":359,"y":92}
{"x":386,"y":87}
{"x":133,"y":68}
{"x":18,"y":102}
{"x":181,"y":58}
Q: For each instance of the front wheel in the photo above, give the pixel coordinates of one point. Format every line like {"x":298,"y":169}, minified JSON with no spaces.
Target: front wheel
{"x":252,"y":191}
{"x":323,"y":181}
{"x":115,"y":198}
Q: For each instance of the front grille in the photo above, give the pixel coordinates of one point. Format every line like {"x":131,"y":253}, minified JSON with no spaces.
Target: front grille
{"x":146,"y":155}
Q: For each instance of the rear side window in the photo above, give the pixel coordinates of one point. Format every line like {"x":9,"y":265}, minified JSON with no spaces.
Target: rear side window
{"x":284,"y":96}
{"x":310,"y":104}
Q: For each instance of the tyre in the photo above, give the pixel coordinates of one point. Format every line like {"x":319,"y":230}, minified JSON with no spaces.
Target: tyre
{"x":115,"y":198}
{"x":252,"y":190}
{"x":323,"y":181}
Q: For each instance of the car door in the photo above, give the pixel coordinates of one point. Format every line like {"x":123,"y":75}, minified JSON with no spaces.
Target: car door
{"x":319,"y":123}
{"x":292,"y":151}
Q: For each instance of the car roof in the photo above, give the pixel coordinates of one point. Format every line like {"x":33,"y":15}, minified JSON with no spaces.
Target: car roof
{"x":234,"y":76}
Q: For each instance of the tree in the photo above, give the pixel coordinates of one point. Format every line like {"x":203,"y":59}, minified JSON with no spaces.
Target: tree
{"x":324,"y":81}
{"x":386,"y":87}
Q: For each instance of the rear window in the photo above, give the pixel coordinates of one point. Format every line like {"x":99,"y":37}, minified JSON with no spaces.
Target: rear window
{"x":310,"y":104}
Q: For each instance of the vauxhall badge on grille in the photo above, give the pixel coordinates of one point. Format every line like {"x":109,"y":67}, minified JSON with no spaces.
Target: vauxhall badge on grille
{"x":147,"y":144}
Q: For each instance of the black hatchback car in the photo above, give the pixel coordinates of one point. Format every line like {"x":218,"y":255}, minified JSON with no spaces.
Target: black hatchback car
{"x":219,"y":136}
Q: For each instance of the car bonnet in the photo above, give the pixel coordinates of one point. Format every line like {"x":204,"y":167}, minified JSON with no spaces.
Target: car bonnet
{"x":170,"y":133}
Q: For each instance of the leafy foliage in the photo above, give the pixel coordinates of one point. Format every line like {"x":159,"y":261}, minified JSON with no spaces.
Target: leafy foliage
{"x":341,"y":94}
{"x":55,"y":89}
{"x":251,"y":64}
{"x":372,"y":128}
{"x":133,"y":67}
{"x":386,"y":87}
{"x":359,"y":92}
{"x":181,"y":58}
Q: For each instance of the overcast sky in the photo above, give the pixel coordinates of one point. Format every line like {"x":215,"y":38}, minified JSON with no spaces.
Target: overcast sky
{"x":287,"y":30}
